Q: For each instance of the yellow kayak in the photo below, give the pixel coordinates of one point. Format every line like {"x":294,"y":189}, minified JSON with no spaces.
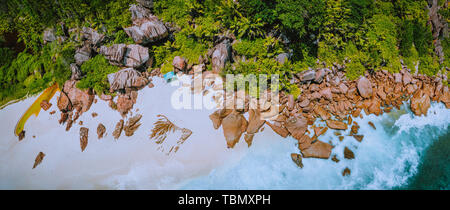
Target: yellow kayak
{"x":35,"y":108}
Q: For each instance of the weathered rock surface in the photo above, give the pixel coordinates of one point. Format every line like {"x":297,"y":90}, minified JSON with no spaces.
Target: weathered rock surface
{"x":420,"y":103}
{"x":296,"y":126}
{"x":114,"y":54}
{"x":92,"y":36}
{"x":333,"y":124}
{"x":365,"y":87}
{"x":83,"y":54}
{"x":282,"y":131}
{"x":38,"y":159}
{"x":101,"y":129}
{"x":179,"y":63}
{"x":125,"y":102}
{"x":132,"y":125}
{"x":126,"y":78}
{"x":84,"y":133}
{"x":73,"y":98}
{"x":146,"y":27}
{"x":348,"y":154}
{"x":346,"y":172}
{"x":221,"y":55}
{"x":76,"y":72}
{"x":234,"y":125}
{"x":297,"y":158}
{"x":318,"y":149}
{"x":135,"y":56}
{"x":118,"y":130}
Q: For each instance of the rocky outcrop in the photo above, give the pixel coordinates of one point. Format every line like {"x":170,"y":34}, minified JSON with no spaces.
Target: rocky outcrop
{"x":221,"y":54}
{"x":92,"y":36}
{"x":101,"y":129}
{"x":125,"y":102}
{"x":136,"y":56}
{"x":179,"y":63}
{"x":83,"y":54}
{"x":38,"y":159}
{"x":146,"y":3}
{"x":420,"y":103}
{"x":118,"y":129}
{"x":132,"y":55}
{"x":146,"y":27}
{"x":114,"y":54}
{"x":76,"y":72}
{"x":84,"y":133}
{"x":217,"y":117}
{"x":234,"y":125}
{"x":280,"y":130}
{"x":126,"y":78}
{"x":132,"y":125}
{"x":317,"y":149}
{"x":296,"y":126}
{"x":71,"y":96}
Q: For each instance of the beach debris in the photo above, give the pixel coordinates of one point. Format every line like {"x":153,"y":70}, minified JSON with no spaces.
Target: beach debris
{"x":52,"y":112}
{"x":297,"y":158}
{"x":94,"y":114}
{"x":132,"y":125}
{"x":38,"y":159}
{"x":348,"y":154}
{"x":346,"y":172}
{"x":118,"y":130}
{"x":84,"y":132}
{"x":100,"y":130}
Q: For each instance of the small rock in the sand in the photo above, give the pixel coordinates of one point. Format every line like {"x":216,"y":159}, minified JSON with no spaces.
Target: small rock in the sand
{"x":337,"y":133}
{"x":80,"y":123}
{"x":151,"y":85}
{"x":95,"y":101}
{"x":84,"y":132}
{"x":100,"y":130}
{"x":348,"y":154}
{"x":297,"y":158}
{"x":341,"y":138}
{"x":346,"y":172}
{"x":335,"y":159}
{"x":21,"y":135}
{"x":358,"y":137}
{"x":38,"y":159}
{"x":94,"y":114}
{"x":52,"y":112}
{"x":45,"y":105}
{"x":350,"y":120}
{"x":372,"y":125}
{"x":118,"y":130}
{"x":34,"y":137}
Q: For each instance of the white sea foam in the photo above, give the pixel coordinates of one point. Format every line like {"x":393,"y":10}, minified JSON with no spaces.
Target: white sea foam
{"x":386,"y":157}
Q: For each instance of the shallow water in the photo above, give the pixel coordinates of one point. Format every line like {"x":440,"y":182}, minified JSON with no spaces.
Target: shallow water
{"x":389,"y":157}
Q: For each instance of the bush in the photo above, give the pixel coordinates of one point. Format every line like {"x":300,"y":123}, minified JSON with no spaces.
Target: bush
{"x":96,"y":71}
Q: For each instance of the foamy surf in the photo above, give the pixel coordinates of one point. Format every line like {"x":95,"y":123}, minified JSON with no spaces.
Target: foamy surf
{"x":386,"y":157}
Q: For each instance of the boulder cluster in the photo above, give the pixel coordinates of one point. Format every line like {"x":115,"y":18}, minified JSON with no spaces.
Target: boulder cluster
{"x":327,"y":95}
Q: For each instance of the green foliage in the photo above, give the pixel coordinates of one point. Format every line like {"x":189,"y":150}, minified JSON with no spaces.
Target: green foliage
{"x":260,"y":48}
{"x":96,"y":71}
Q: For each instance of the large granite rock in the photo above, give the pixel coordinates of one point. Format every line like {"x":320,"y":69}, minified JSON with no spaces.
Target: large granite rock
{"x":76,"y":72}
{"x":126,"y":78}
{"x":365,"y":87}
{"x":136,"y":56}
{"x":92,"y":36}
{"x":317,"y":149}
{"x":234,"y":125}
{"x":146,"y":27}
{"x":114,"y":53}
{"x":221,"y":55}
{"x":83,"y":54}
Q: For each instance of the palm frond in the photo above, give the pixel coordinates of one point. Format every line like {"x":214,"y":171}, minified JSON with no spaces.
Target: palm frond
{"x":162,"y":127}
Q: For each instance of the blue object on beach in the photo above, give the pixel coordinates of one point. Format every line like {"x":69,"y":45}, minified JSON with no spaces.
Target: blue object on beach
{"x":169,"y":76}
